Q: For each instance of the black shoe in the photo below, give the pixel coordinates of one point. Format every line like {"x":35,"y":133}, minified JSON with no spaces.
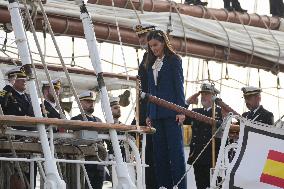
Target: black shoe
{"x":189,"y":2}
{"x":239,"y":9}
{"x":201,"y":3}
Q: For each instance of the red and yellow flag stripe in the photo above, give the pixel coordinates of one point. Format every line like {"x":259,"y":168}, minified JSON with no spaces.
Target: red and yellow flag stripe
{"x":273,"y":171}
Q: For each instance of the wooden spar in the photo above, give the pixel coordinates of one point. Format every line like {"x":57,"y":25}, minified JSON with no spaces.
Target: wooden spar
{"x":225,"y":106}
{"x":12,"y":120}
{"x":108,"y":33}
{"x":179,"y":109}
{"x":31,"y":147}
{"x":196,"y":11}
{"x":11,"y":61}
{"x":189,"y":113}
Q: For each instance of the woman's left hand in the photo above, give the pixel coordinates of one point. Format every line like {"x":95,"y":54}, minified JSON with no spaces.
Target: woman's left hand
{"x":180,"y":118}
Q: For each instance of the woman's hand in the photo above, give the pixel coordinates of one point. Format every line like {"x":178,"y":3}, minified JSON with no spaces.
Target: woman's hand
{"x":148,"y":122}
{"x":180,"y":118}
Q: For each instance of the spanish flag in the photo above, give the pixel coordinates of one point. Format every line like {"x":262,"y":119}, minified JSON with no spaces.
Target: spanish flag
{"x":273,"y":171}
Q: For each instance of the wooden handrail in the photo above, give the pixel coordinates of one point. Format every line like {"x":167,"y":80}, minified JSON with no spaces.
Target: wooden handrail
{"x":12,"y":120}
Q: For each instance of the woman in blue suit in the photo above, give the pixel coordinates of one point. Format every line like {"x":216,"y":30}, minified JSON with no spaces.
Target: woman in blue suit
{"x":165,"y":80}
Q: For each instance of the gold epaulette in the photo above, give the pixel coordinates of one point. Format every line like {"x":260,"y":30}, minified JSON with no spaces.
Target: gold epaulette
{"x":3,"y":93}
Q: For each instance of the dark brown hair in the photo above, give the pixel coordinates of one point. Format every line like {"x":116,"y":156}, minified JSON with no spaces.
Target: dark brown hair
{"x":162,"y":37}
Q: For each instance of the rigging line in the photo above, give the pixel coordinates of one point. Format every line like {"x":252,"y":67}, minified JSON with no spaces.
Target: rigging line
{"x":61,"y":60}
{"x":203,"y":68}
{"x":198,"y":156}
{"x":182,"y":23}
{"x":31,"y":26}
{"x":51,"y":56}
{"x":44,"y":39}
{"x":5,"y":53}
{"x":120,"y":43}
{"x":135,"y":11}
{"x":109,"y":62}
{"x":278,"y":88}
{"x":239,"y":89}
{"x":251,"y":39}
{"x":8,"y":38}
{"x":208,"y":71}
{"x":141,"y":5}
{"x":248,"y":76}
{"x":112,"y":58}
{"x":187,"y":73}
{"x":32,"y":63}
{"x":73,"y":53}
{"x":57,"y":64}
{"x":275,"y":67}
{"x":137,"y":58}
{"x":5,"y":43}
{"x":229,"y":86}
{"x":228,"y":51}
{"x":221,"y":81}
{"x":44,"y":65}
{"x":259,"y":82}
{"x":130,"y":70}
{"x":119,"y":37}
{"x":255,"y":5}
{"x":169,"y":24}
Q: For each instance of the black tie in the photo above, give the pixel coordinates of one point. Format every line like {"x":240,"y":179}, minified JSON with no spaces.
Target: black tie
{"x":250,"y":114}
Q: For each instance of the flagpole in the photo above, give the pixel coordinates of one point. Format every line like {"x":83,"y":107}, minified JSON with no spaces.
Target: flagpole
{"x":124,"y":180}
{"x":53,"y":180}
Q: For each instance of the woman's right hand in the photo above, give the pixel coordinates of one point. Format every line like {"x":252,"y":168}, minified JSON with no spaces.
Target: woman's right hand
{"x":148,"y":122}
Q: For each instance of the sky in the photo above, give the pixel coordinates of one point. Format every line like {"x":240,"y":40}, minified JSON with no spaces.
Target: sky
{"x":196,"y":69}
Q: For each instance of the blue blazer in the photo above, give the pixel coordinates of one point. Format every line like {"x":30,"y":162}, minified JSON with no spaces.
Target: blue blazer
{"x":169,"y":87}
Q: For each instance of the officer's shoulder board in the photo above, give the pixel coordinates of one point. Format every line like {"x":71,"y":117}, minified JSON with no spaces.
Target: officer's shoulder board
{"x":3,"y":93}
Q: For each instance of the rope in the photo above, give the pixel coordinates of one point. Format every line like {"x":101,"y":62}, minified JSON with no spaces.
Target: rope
{"x":133,"y":7}
{"x":73,"y":63}
{"x":228,"y":50}
{"x":259,"y":83}
{"x":248,"y":76}
{"x":221,"y":82}
{"x":32,"y":63}
{"x":182,"y":23}
{"x":169,"y":24}
{"x":252,"y":42}
{"x":119,"y":37}
{"x":278,"y":87}
{"x":112,"y":58}
{"x":121,"y":47}
{"x":47,"y":74}
{"x":44,"y":40}
{"x":44,"y":65}
{"x":5,"y":42}
{"x":208,"y":71}
{"x":61,"y":60}
{"x":213,"y":136}
{"x":276,"y":65}
{"x":231,"y":86}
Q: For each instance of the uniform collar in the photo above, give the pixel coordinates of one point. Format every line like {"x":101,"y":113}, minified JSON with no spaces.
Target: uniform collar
{"x":51,"y":103}
{"x":256,"y":109}
{"x":207,"y":109}
{"x":20,"y":93}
